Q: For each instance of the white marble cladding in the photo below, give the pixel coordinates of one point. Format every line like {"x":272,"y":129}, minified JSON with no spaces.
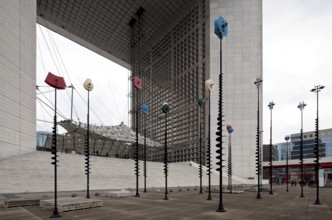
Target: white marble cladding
{"x":18,"y":76}
{"x":242,"y":63}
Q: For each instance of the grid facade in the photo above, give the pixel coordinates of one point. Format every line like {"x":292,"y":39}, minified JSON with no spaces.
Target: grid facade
{"x":173,"y":71}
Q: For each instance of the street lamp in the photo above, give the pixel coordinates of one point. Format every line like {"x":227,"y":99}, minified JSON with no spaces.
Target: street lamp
{"x":165,"y":109}
{"x":271,"y":104}
{"x":301,"y":107}
{"x":258,"y":82}
{"x":230,"y":131}
{"x":317,"y":89}
{"x":200,"y":103}
{"x":287,"y":137}
{"x":89,"y":87}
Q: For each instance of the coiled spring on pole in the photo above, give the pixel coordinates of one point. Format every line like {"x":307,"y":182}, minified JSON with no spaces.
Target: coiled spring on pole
{"x":208,"y":151}
{"x":316,"y":151}
{"x":258,"y":156}
{"x":86,"y":153}
{"x":54,"y":137}
{"x":220,"y":124}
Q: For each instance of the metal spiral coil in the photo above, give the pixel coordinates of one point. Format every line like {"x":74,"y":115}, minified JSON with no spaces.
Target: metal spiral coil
{"x":301,"y":148}
{"x":316,"y":148}
{"x":200,"y":172}
{"x":229,"y":170}
{"x":136,"y":148}
{"x":87,"y":158}
{"x":270,"y":161}
{"x":220,"y":124}
{"x":258,"y":155}
{"x":87,"y":150}
{"x":208,"y":151}
{"x":144,"y":165}
{"x":54,"y":137}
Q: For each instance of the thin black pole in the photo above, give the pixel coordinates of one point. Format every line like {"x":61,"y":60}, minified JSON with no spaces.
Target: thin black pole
{"x":317,"y":153}
{"x":209,"y":151}
{"x":301,"y":107}
{"x":219,"y":133}
{"x":144,"y":157}
{"x":200,"y":152}
{"x":270,"y":149}
{"x":54,"y":152}
{"x":230,"y":187}
{"x":88,"y":149}
{"x":72,"y":103}
{"x":301,"y":160}
{"x":287,"y":180}
{"x":136,"y":147}
{"x":258,"y":151}
{"x":165,"y":159}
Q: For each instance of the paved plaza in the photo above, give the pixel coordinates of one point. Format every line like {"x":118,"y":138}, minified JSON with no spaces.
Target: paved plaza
{"x":187,"y":203}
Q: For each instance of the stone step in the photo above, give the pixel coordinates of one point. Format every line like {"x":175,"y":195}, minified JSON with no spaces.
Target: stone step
{"x":9,"y":203}
{"x":70,"y":204}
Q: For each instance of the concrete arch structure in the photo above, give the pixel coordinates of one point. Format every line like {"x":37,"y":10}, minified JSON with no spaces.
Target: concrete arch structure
{"x":171,"y":46}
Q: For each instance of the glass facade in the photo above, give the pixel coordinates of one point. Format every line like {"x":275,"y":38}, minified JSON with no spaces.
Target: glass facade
{"x":325,"y":145}
{"x":282,"y":148}
{"x":308,"y":148}
{"x":41,"y":138}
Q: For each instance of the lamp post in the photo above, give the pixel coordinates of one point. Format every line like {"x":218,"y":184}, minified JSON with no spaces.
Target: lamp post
{"x":287,"y":137}
{"x":165,"y":109}
{"x":258,"y":83}
{"x":89,"y":87}
{"x":145,"y":110}
{"x":317,"y":89}
{"x":200,"y":103}
{"x":301,"y":107}
{"x":221,"y":30}
{"x":230,"y":131}
{"x":208,"y":87}
{"x":271,"y":104}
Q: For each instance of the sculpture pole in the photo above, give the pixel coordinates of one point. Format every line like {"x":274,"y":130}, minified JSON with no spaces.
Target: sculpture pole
{"x":230,"y":131}
{"x":88,"y":85}
{"x":57,"y":83}
{"x":54,"y":152}
{"x":138,"y":86}
{"x":165,"y":109}
{"x":221,"y":30}
{"x":301,"y":107}
{"x":200,"y":103}
{"x":145,"y":110}
{"x":208,"y":88}
{"x":271,"y":104}
{"x":258,"y":82}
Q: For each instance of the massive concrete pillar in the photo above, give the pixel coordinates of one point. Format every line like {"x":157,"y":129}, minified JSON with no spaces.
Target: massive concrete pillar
{"x":18,"y":77}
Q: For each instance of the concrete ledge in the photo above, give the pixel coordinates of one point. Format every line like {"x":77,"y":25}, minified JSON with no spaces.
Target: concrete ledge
{"x":120,"y":193}
{"x":20,"y":202}
{"x":70,"y":204}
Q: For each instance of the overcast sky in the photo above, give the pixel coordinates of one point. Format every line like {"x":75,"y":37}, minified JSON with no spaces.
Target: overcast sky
{"x":297,"y":55}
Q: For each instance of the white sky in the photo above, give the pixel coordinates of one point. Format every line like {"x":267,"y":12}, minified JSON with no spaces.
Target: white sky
{"x":297,"y":54}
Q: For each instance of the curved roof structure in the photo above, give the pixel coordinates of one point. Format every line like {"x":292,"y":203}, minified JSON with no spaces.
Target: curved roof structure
{"x":118,"y":133}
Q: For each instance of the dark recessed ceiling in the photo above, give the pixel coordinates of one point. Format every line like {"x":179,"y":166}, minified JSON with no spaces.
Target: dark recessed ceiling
{"x":104,"y":23}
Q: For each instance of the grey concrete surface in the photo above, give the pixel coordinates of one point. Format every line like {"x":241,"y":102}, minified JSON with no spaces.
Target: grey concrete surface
{"x":33,"y":172}
{"x":186,"y":205}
